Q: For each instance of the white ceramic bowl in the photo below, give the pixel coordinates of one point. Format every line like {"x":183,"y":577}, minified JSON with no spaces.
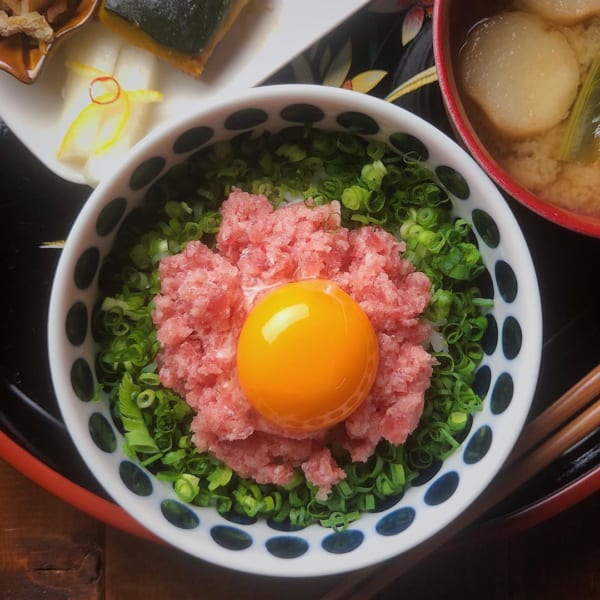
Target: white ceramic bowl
{"x":506,"y":378}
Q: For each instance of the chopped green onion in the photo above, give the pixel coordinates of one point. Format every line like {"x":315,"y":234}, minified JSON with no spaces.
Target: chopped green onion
{"x":355,"y":197}
{"x":219,"y":477}
{"x":187,"y":487}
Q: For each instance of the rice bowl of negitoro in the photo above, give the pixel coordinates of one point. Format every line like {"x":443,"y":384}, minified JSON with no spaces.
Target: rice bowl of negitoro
{"x":297,"y":333}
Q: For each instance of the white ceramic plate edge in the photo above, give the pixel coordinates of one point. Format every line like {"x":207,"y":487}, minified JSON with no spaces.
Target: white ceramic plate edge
{"x":267,"y":35}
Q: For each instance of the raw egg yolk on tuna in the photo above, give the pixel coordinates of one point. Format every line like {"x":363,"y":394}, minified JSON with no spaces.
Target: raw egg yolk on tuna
{"x":307,"y":355}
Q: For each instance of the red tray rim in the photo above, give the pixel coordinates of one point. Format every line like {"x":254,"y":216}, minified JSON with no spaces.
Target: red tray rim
{"x":113,"y":515}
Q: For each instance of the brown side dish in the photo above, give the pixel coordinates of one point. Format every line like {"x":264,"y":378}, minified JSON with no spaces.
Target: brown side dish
{"x":29,"y":29}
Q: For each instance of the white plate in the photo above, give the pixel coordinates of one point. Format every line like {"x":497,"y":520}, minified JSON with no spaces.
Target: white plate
{"x":266,"y":36}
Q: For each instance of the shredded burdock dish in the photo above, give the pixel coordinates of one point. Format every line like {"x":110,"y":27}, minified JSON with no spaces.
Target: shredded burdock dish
{"x":35,"y":19}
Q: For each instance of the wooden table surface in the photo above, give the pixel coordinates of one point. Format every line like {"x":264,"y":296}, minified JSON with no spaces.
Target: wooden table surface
{"x":52,"y":551}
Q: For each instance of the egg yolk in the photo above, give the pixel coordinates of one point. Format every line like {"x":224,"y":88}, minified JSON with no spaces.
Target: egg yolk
{"x":307,"y":355}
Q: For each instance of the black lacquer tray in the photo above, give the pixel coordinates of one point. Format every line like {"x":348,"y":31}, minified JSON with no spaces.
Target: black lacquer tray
{"x":37,"y":209}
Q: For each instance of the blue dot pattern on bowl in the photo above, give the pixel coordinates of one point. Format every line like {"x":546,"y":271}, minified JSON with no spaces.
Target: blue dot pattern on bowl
{"x":95,"y":324}
{"x":192,"y":139}
{"x":486,"y":285}
{"x":442,"y":488}
{"x":486,"y":227}
{"x":396,"y":522}
{"x":135,"y":478}
{"x":147,"y":172}
{"x":395,"y":517}
{"x":427,"y":474}
{"x":507,"y":281}
{"x":102,"y":433}
{"x":409,"y":144}
{"x":82,"y":380}
{"x":245,"y":119}
{"x":86,"y":267}
{"x":483,"y":379}
{"x":358,"y":122}
{"x":453,"y":181}
{"x":283,"y":525}
{"x":77,"y":323}
{"x":502,"y":393}
{"x":478,"y":445}
{"x":239,"y":519}
{"x":231,"y":538}
{"x":512,"y":338}
{"x":489,"y":342}
{"x":343,"y":542}
{"x":302,"y":113}
{"x":110,"y":216}
{"x":179,"y":515}
{"x":287,"y":546}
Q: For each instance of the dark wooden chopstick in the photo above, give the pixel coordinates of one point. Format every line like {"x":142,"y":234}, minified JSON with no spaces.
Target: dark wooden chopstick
{"x":566,"y":407}
{"x":539,"y":458}
{"x":366,"y":583}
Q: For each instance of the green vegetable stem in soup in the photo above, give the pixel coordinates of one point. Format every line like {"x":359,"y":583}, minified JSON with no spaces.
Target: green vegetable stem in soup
{"x":377,"y":186}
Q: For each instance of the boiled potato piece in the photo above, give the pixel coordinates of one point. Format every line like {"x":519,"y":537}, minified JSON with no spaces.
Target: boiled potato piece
{"x":562,"y":11}
{"x":521,"y":74}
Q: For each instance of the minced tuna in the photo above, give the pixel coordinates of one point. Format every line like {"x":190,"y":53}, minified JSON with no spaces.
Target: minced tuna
{"x":206,"y":295}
